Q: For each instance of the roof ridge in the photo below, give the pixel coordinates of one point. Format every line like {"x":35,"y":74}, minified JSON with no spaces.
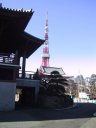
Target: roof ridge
{"x":16,"y":10}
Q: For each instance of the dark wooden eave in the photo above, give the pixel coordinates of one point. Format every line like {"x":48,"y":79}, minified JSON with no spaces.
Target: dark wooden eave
{"x":30,"y":43}
{"x":12,"y":34}
{"x":15,"y":19}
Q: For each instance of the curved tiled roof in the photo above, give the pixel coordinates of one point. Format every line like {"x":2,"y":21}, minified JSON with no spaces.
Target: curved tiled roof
{"x":20,"y":17}
{"x":12,"y":35}
{"x":15,"y":10}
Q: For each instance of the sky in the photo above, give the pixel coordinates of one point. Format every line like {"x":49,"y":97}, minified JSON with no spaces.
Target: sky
{"x":72,"y":33}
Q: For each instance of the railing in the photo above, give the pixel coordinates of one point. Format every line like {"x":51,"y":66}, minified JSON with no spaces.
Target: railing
{"x":7,"y":58}
{"x":28,"y":75}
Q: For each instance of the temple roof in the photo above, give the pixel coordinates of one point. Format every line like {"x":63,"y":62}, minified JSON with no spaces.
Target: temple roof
{"x":49,"y":70}
{"x":53,"y":70}
{"x":12,"y":34}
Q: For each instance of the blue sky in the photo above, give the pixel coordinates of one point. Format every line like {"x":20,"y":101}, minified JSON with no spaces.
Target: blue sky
{"x":72,"y":33}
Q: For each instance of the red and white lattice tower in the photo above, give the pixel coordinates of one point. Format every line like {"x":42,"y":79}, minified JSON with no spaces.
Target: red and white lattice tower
{"x":46,"y":56}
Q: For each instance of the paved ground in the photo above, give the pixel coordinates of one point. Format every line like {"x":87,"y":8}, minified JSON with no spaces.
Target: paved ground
{"x":77,"y":117}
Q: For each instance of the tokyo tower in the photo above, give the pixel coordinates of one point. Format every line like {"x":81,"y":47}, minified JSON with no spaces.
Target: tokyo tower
{"x":46,"y":56}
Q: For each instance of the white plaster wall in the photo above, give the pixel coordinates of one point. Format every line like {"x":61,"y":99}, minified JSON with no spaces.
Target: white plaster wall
{"x":7,"y":96}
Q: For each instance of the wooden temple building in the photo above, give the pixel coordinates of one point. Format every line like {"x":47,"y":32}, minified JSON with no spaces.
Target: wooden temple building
{"x":14,"y":44}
